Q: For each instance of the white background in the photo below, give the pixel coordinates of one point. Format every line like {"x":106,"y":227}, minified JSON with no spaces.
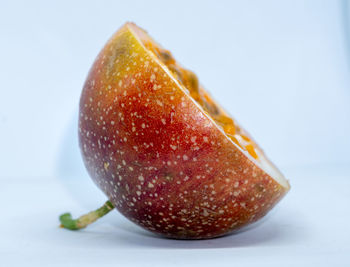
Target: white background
{"x":281,"y":68}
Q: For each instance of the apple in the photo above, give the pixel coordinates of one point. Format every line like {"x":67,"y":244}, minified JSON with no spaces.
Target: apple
{"x":166,"y":155}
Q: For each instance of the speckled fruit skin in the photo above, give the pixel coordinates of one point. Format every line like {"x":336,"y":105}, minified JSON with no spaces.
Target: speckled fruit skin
{"x":157,"y":156}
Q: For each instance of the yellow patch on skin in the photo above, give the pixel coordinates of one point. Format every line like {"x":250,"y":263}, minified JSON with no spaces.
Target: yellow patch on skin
{"x":106,"y":165}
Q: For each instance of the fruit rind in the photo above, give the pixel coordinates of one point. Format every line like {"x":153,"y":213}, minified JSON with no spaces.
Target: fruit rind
{"x":158,"y":157}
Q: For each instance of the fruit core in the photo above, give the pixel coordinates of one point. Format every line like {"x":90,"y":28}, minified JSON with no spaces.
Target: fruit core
{"x":190,"y":83}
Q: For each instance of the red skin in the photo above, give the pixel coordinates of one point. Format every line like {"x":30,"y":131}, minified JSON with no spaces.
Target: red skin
{"x":161,"y":161}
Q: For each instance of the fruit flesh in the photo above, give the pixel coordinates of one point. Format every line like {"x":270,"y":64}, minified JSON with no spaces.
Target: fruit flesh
{"x":163,"y":162}
{"x":191,"y":84}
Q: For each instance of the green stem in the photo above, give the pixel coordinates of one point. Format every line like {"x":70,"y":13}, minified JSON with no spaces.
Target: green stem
{"x":69,"y":223}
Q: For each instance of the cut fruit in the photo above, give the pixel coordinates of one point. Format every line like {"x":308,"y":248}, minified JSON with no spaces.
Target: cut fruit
{"x":167,"y":156}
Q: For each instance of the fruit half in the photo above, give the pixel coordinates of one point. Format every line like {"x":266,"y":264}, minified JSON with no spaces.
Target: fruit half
{"x":167,"y":156}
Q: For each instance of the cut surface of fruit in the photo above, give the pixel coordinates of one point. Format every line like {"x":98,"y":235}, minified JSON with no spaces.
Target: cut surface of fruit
{"x":190,"y":84}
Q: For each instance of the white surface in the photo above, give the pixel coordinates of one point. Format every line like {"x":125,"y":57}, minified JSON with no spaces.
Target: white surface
{"x":280,"y":67}
{"x":308,"y":228}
